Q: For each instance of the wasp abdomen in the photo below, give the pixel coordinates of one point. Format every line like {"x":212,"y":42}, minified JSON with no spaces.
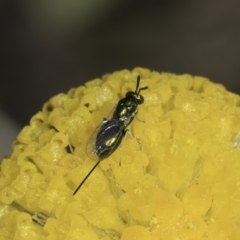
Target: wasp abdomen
{"x":109,"y":138}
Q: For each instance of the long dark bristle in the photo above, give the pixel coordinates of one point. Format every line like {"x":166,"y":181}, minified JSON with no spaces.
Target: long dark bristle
{"x":83,"y":181}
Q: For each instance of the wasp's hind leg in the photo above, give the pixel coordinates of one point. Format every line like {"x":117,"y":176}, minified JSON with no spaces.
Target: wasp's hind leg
{"x":138,"y":140}
{"x":125,"y":133}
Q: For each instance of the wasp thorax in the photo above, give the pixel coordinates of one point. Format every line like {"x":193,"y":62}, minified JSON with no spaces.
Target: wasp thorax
{"x":126,"y":107}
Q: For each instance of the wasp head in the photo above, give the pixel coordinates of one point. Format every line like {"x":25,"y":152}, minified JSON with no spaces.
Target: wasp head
{"x":127,"y":107}
{"x":139,"y":98}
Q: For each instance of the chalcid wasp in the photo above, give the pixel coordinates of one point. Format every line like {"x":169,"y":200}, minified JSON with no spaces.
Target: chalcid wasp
{"x":109,"y":134}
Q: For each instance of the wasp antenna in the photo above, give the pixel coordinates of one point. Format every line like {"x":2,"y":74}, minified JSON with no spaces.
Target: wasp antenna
{"x":83,"y":181}
{"x":140,"y":89}
{"x":138,"y":82}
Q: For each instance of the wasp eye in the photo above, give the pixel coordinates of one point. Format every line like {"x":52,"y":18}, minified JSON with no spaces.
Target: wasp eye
{"x":129,"y":94}
{"x":140,"y":99}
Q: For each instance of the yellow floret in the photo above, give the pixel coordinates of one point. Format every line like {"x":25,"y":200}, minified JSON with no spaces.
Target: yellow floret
{"x":175,"y":176}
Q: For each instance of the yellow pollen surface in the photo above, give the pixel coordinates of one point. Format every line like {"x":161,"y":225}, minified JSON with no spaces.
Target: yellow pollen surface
{"x":175,"y":176}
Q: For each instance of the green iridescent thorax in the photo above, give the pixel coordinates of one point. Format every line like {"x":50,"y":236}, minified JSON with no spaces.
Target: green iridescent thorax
{"x":126,"y":108}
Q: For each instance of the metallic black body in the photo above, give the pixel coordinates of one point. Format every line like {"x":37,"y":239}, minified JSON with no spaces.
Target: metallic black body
{"x":112,"y":131}
{"x":109,"y":134}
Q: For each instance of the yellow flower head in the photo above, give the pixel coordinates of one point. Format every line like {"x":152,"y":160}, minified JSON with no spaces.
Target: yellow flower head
{"x":175,"y":174}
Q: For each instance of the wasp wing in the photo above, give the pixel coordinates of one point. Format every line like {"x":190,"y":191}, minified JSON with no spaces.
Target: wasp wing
{"x":91,"y":149}
{"x":105,"y":141}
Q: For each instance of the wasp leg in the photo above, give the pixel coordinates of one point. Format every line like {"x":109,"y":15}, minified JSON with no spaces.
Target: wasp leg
{"x":125,"y":133}
{"x":40,"y":218}
{"x":136,"y":139}
{"x":37,"y":217}
{"x":140,"y":120}
{"x":120,"y":149}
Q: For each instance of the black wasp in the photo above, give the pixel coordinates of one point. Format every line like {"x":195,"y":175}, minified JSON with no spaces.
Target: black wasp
{"x":110,"y":133}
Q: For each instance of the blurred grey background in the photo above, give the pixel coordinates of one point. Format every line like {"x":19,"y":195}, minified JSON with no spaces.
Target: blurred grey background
{"x":50,"y":46}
